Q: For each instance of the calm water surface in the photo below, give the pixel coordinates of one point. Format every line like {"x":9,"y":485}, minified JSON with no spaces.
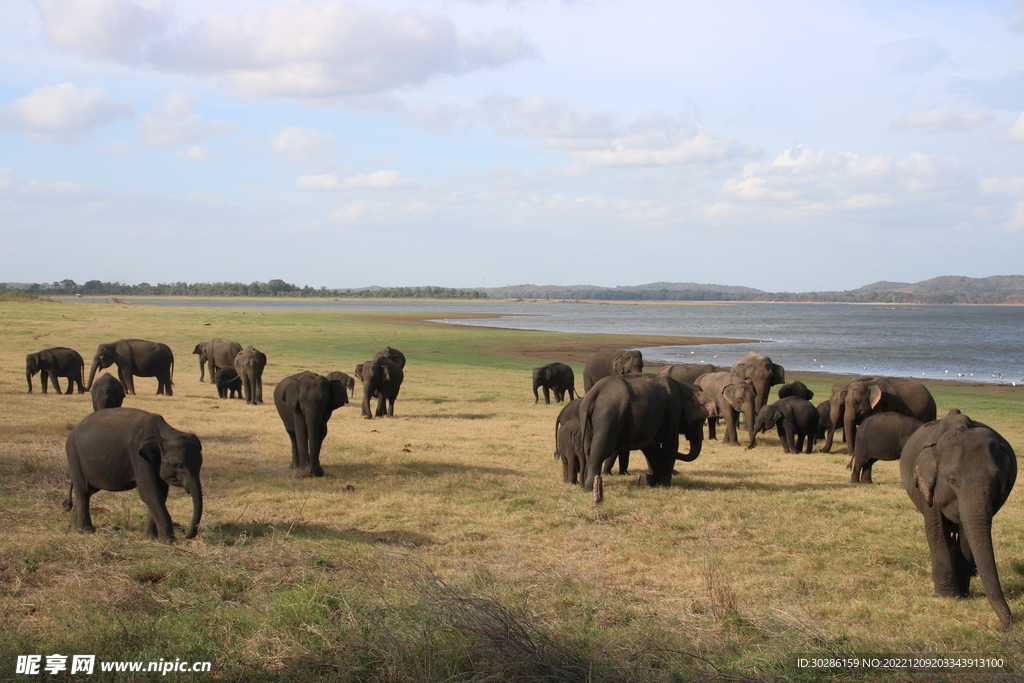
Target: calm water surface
{"x":982,"y":343}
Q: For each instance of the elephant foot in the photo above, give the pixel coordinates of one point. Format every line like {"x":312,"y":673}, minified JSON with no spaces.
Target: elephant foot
{"x":87,"y":529}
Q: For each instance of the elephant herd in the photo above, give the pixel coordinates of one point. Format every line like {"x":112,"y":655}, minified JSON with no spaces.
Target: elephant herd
{"x":958,"y":472}
{"x":118,"y":449}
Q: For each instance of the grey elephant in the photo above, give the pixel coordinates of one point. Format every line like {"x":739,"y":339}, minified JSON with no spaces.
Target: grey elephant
{"x":216,"y":354}
{"x":120,"y":449}
{"x":869,"y":395}
{"x":249,"y":364}
{"x":305,"y":402}
{"x":136,"y":358}
{"x":796,"y":420}
{"x":570,"y":411}
{"x":106,"y":392}
{"x":824,"y":418}
{"x":645,"y":413}
{"x":570,"y":450}
{"x":554,"y":377}
{"x":796,"y":388}
{"x":347,"y":380}
{"x":55,"y":362}
{"x":958,"y":473}
{"x":393,"y":354}
{"x":228,"y":383}
{"x":381,"y":378}
{"x":760,"y":370}
{"x":687,"y":373}
{"x":880,"y":437}
{"x":733,"y":395}
{"x":611,"y":362}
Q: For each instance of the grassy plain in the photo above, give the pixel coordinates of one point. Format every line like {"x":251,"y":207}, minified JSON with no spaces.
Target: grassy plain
{"x":442,"y":544}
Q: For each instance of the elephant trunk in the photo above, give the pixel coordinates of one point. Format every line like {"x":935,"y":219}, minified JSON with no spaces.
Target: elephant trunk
{"x":748,"y":417}
{"x":196,"y":489}
{"x":695,"y":437}
{"x":92,"y":372}
{"x":850,"y":428}
{"x":976,"y":521}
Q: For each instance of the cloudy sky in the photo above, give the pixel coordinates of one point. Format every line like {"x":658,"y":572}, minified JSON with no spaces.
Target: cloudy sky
{"x":789,"y":146}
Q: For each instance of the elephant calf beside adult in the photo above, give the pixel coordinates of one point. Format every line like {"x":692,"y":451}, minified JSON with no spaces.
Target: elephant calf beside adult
{"x":106,"y":392}
{"x":852,"y":403}
{"x":216,"y":354}
{"x":228,"y":383}
{"x":958,"y":473}
{"x":609,"y":363}
{"x":136,"y":358}
{"x":120,"y":449}
{"x":733,"y":396}
{"x":381,"y":378}
{"x":645,"y":413}
{"x":305,"y":402}
{"x":760,"y":370}
{"x":880,"y":437}
{"x":796,"y":420}
{"x":58,"y":361}
{"x":554,"y":377}
{"x":249,"y":364}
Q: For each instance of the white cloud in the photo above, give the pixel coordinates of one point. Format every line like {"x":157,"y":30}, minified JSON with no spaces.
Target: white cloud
{"x":302,"y":49}
{"x":303,"y":146}
{"x":63,"y":113}
{"x":381,"y":213}
{"x":195,"y":154}
{"x":105,"y":29}
{"x":1016,"y":133}
{"x":913,"y":57}
{"x":942,"y":120}
{"x":378,"y":180}
{"x":805,"y":178}
{"x":172,"y":122}
{"x":1013,"y":186}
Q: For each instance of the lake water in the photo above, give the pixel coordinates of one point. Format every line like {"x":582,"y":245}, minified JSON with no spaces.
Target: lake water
{"x":981,"y":343}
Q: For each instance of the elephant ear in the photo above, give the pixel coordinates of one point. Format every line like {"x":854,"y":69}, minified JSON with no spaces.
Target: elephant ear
{"x":339,"y":396}
{"x":874,"y":395}
{"x":778,"y":374}
{"x":151,"y":450}
{"x":926,"y":473}
{"x":617,"y":366}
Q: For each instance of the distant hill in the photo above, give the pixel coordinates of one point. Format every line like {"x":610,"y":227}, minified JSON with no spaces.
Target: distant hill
{"x":948,"y":289}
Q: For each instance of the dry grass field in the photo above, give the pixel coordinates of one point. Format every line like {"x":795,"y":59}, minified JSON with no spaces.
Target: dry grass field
{"x":442,"y":545}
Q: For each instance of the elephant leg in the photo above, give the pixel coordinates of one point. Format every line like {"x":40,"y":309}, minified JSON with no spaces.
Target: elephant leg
{"x":158,"y":520}
{"x":789,"y":428}
{"x":941,"y":547}
{"x":71,"y":385}
{"x":712,"y":423}
{"x":301,"y":443}
{"x":602,"y":446}
{"x":80,"y":516}
{"x":730,"y":437}
{"x":865,"y":472}
{"x":963,"y":563}
{"x":660,"y":461}
{"x":44,"y":377}
{"x":624,"y":462}
{"x":295,"y":449}
{"x":565,"y":470}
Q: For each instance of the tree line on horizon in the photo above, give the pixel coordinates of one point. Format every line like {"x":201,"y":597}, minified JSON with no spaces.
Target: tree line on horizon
{"x":280,"y":288}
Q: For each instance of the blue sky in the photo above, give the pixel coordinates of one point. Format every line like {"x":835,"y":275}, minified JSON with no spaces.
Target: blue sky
{"x":787,"y":146}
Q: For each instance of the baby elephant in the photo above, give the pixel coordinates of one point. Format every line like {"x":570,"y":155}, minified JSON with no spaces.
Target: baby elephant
{"x":570,"y":450}
{"x":106,"y":392}
{"x":119,"y":449}
{"x":346,"y":380}
{"x":228,"y":383}
{"x":879,"y":437}
{"x":795,"y":418}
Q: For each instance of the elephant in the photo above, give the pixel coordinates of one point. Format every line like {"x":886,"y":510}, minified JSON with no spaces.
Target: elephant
{"x":569,"y":441}
{"x":611,"y":362}
{"x":796,"y":419}
{"x":217,"y":354}
{"x":557,"y":377}
{"x":348,"y":381}
{"x":305,"y":402}
{"x":958,"y":473}
{"x":880,"y":437}
{"x":106,"y":392}
{"x":136,"y":358}
{"x":867,"y":396}
{"x":120,"y":449}
{"x":249,"y":364}
{"x":760,"y":370}
{"x":571,"y":412}
{"x":53,"y":363}
{"x":732,"y":395}
{"x":687,"y":373}
{"x":228,"y":383}
{"x":381,"y":377}
{"x":824,"y":418}
{"x":795,"y":388}
{"x":641,"y":412}
{"x":393,"y":354}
